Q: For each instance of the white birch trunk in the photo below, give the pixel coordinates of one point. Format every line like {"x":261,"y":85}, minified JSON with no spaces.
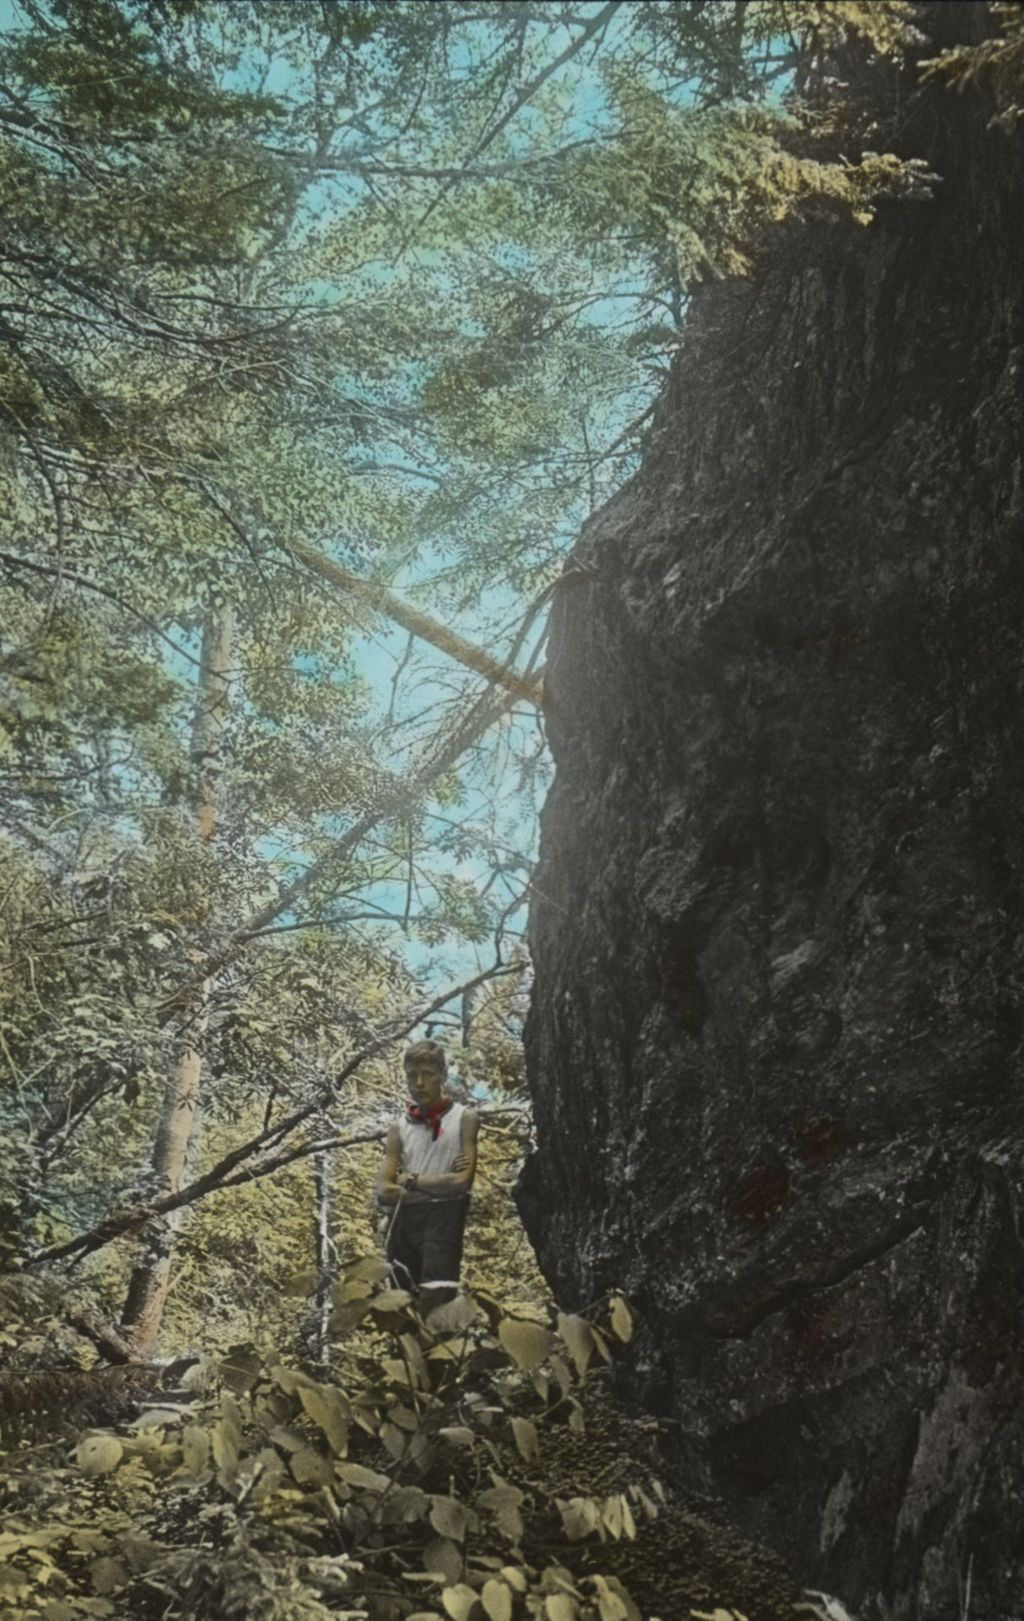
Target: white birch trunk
{"x":151,"y":1278}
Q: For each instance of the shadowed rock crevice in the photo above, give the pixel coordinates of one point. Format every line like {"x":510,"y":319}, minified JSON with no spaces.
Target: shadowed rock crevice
{"x":775,"y":1044}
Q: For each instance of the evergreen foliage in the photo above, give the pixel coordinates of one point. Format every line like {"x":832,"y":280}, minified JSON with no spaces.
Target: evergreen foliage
{"x":994,"y":65}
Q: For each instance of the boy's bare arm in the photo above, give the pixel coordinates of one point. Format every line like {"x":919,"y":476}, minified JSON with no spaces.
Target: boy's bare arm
{"x":390,"y":1186}
{"x":394,"y":1185}
{"x":461,"y":1179}
{"x":387,"y":1178}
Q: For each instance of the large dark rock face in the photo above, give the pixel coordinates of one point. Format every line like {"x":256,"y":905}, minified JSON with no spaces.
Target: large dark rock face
{"x":774,"y":1048}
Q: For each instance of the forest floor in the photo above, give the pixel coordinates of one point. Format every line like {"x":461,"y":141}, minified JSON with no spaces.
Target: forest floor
{"x":677,"y":1562}
{"x":471,"y":1466}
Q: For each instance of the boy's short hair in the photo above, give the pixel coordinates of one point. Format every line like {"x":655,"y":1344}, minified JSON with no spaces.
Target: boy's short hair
{"x":427,"y":1049}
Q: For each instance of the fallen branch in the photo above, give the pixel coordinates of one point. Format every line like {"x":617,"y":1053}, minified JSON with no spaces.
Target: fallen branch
{"x":402,"y":797}
{"x":280,"y":1162}
{"x":107,"y":1340}
{"x":419,"y":624}
{"x":384,"y":601}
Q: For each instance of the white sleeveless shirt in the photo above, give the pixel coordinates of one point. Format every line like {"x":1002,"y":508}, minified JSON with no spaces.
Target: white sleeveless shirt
{"x":422,"y":1153}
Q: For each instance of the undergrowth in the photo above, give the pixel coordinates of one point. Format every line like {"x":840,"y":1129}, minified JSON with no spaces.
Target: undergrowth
{"x":421,"y":1477}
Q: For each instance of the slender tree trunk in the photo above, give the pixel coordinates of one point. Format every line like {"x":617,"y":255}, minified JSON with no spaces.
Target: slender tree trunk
{"x":468,"y":1012}
{"x":150,"y":1280}
{"x":326,"y":1253}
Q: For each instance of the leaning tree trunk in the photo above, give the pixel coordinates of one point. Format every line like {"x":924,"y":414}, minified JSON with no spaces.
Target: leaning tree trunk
{"x":775,"y":1040}
{"x":150,"y":1280}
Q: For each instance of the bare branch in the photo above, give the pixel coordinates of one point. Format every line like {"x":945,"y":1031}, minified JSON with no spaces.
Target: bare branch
{"x":400,"y":799}
{"x":49,"y":571}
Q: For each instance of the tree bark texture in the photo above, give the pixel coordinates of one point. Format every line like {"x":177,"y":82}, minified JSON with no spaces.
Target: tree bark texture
{"x":151,"y":1278}
{"x":774,"y":1048}
{"x":325,"y":1250}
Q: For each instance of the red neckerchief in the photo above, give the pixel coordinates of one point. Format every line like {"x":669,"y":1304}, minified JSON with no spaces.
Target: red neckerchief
{"x":430,"y":1116}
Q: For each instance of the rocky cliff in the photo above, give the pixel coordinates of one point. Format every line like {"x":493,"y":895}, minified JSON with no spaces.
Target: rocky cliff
{"x":774,"y":1048}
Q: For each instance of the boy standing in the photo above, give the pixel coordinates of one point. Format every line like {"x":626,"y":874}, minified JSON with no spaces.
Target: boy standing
{"x":428,"y":1171}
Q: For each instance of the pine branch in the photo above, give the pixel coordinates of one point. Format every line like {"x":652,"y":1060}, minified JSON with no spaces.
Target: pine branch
{"x":592,"y":28}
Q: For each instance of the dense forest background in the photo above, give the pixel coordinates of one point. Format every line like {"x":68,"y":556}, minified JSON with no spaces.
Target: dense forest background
{"x":323,"y":326}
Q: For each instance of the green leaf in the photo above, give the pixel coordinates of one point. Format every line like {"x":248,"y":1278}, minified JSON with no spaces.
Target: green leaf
{"x":415,"y":1360}
{"x":503,"y":1503}
{"x":611,"y":1515}
{"x":613,"y":1602}
{"x":602,"y":1344}
{"x":346,"y":1317}
{"x":452,"y":1517}
{"x":369,"y":1269}
{"x":560,"y":1607}
{"x":405,"y":1417}
{"x":617,"y":1517}
{"x":621,"y":1320}
{"x":650,"y":1508}
{"x":329,"y":1410}
{"x":241,"y":1367}
{"x":405,"y":1506}
{"x":578,"y":1337}
{"x":458,"y":1434}
{"x":226,"y":1441}
{"x":563,"y":1375}
{"x":455,"y":1316}
{"x":108,"y":1575}
{"x":526,"y":1439}
{"x":628,"y":1522}
{"x":526,"y":1343}
{"x":363,"y":1479}
{"x":395,"y":1440}
{"x":98,"y":1455}
{"x":195,"y":1451}
{"x":459,"y":1602}
{"x":300,"y":1286}
{"x":444,"y":1559}
{"x":580,"y":1517}
{"x":288,"y":1440}
{"x":290,"y":1380}
{"x":311,"y":1468}
{"x":390,"y":1300}
{"x":352,"y":1289}
{"x":496,"y":1599}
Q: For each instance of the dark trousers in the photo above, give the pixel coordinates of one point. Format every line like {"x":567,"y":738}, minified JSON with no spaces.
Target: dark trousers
{"x":425,"y":1247}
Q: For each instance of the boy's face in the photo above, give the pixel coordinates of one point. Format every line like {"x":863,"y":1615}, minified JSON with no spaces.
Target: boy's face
{"x":424,"y":1080}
